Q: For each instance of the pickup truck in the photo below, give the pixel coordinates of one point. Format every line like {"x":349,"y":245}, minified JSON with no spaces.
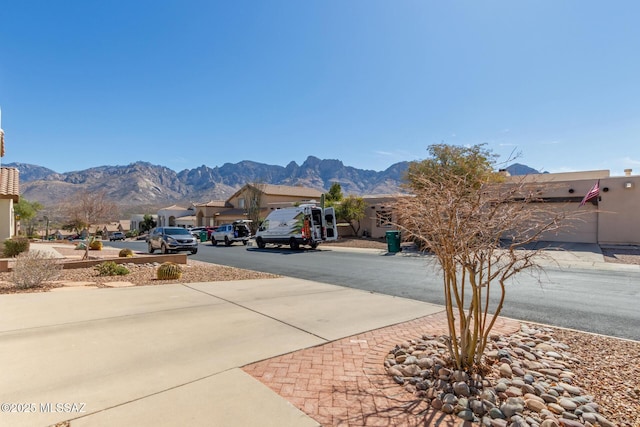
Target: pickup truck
{"x":238,"y":231}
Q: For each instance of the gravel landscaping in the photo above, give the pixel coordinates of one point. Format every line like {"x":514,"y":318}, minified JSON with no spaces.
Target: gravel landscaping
{"x":540,"y":376}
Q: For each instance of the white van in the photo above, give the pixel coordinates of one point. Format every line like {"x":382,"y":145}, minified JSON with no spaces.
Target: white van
{"x":306,"y":224}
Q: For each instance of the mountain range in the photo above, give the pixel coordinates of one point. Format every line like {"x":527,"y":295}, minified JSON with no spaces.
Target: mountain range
{"x":143,"y":187}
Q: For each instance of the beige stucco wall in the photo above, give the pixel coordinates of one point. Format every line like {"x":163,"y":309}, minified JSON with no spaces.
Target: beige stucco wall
{"x":583,"y":229}
{"x":614,"y":220}
{"x":168,"y":217}
{"x":619,"y":211}
{"x":6,"y":225}
{"x":371,"y":225}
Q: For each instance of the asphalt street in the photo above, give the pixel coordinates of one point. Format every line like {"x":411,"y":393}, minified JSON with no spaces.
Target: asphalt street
{"x":600,"y":300}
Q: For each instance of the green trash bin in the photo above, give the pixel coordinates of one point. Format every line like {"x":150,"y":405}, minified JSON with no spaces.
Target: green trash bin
{"x":203,"y":236}
{"x":393,"y":241}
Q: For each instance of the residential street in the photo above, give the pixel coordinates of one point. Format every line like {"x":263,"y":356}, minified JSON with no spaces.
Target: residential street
{"x":578,"y":290}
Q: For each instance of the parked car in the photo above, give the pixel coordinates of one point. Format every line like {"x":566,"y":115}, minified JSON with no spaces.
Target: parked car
{"x":238,"y":231}
{"x":171,"y":239}
{"x":117,"y":235}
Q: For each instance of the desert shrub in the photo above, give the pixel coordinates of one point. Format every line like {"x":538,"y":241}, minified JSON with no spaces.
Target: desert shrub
{"x":14,"y":247}
{"x":95,"y":245}
{"x":169,"y":271}
{"x":473,"y":223}
{"x":110,"y":268}
{"x":125,"y":253}
{"x":33,"y":268}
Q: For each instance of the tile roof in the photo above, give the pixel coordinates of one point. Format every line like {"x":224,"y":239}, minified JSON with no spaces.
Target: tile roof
{"x":286,"y":190}
{"x":213,"y":204}
{"x":9,"y":183}
{"x":174,"y":208}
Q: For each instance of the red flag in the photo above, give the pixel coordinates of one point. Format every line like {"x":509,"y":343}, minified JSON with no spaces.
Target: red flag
{"x":594,"y":192}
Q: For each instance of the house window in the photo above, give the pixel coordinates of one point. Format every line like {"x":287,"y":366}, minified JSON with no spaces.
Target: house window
{"x":383,"y":218}
{"x":241,"y":203}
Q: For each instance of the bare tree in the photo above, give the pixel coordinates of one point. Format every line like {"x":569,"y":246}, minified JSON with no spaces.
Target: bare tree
{"x":479,"y":230}
{"x":253,"y":203}
{"x":91,"y":208}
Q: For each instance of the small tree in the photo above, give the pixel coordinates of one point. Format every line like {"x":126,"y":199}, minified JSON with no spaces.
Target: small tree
{"x":475,"y":228}
{"x":26,"y":211}
{"x":147,"y":223}
{"x":334,"y":195}
{"x":91,"y":208}
{"x":351,"y":210}
{"x":253,"y":203}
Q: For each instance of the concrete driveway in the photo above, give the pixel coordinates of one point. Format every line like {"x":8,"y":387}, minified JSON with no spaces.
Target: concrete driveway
{"x":170,"y":355}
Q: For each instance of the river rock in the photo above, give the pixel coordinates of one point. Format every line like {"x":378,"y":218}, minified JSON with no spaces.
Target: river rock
{"x":505,"y":370}
{"x":509,"y":409}
{"x":496,"y":413}
{"x":499,"y":422}
{"x":394,"y":371}
{"x":570,"y":388}
{"x":466,"y":414}
{"x":570,"y":423}
{"x":411,"y":360}
{"x":535,"y":405}
{"x":450,"y":399}
{"x":555,"y":408}
{"x":567,"y":404}
{"x":461,"y":388}
{"x":513,"y":392}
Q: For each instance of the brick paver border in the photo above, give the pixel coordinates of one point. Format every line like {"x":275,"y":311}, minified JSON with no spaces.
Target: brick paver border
{"x":344,"y":383}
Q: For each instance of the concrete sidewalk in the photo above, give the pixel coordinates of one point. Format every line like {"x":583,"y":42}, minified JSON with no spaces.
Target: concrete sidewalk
{"x":560,"y":255}
{"x":171,"y":355}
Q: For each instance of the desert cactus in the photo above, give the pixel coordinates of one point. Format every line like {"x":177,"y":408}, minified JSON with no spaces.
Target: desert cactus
{"x":125,"y":253}
{"x":169,"y":271}
{"x":95,"y":245}
{"x":110,"y":268}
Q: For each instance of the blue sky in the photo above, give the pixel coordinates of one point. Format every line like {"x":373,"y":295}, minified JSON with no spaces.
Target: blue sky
{"x":186,"y":83}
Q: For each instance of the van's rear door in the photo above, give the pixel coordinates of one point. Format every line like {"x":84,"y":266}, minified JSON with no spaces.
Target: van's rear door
{"x":330,"y":223}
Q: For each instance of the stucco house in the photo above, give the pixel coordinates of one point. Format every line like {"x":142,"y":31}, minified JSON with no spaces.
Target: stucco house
{"x":378,"y":217}
{"x":609,"y":218}
{"x":176,"y":216}
{"x":112,"y":227}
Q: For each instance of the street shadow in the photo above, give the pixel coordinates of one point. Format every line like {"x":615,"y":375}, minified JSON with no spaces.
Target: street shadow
{"x":283,"y":250}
